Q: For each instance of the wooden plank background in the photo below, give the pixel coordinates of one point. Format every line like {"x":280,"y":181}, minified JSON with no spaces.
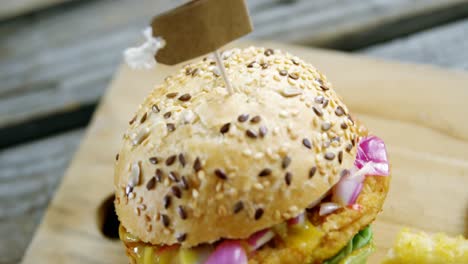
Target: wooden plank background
{"x":56,"y":63}
{"x":11,"y":8}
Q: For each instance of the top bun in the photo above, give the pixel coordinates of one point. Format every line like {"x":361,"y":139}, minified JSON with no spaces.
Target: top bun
{"x":198,"y":164}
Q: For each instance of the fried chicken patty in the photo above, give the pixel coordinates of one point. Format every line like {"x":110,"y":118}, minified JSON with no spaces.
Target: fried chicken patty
{"x":338,"y":228}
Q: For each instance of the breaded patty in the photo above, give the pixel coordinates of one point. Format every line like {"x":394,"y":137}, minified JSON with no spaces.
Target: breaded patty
{"x":338,"y":228}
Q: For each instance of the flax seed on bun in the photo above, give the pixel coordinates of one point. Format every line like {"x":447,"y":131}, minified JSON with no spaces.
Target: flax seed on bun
{"x":199,"y":164}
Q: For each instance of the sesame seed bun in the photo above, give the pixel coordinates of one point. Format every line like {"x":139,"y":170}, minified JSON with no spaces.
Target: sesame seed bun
{"x":198,"y":164}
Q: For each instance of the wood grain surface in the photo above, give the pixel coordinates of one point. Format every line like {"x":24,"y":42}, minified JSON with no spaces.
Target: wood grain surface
{"x":11,"y":8}
{"x":29,"y":175}
{"x":425,"y":136}
{"x":444,"y":46}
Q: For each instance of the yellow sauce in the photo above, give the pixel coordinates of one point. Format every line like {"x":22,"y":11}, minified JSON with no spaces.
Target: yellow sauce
{"x":303,"y":236}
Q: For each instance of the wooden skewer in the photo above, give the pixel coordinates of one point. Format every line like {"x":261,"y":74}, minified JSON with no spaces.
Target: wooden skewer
{"x":223,"y":71}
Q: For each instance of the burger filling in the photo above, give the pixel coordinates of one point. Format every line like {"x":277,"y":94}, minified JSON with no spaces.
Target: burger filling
{"x":297,"y":238}
{"x":303,"y":237}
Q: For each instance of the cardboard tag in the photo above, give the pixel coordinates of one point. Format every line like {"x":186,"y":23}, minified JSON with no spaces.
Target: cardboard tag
{"x":200,"y":27}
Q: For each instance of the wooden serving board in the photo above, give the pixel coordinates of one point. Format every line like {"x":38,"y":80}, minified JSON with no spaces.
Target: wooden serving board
{"x":420,"y":111}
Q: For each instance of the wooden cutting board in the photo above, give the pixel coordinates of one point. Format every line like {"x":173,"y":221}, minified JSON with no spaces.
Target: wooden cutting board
{"x":420,"y":111}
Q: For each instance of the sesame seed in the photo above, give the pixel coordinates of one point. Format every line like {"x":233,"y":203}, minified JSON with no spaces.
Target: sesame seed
{"x":319,"y":99}
{"x":288,"y":178}
{"x":128,"y":189}
{"x":143,"y":118}
{"x":283,"y":72}
{"x":325,"y":103}
{"x":238,"y":207}
{"x":286,"y":161}
{"x":250,"y":133}
{"x":242,"y":118}
{"x":295,"y":62}
{"x":351,"y":119}
{"x":329,"y":156}
{"x":344,"y":173}
{"x":344,"y":125}
{"x":155,"y":108}
{"x":317,"y":111}
{"x":353,"y":141}
{"x":324,"y":87}
{"x":250,"y":65}
{"x":147,"y":218}
{"x":339,"y":111}
{"x":170,"y":160}
{"x":216,"y":72}
{"x":171,"y":95}
{"x":225,"y":128}
{"x":176,"y":191}
{"x":184,"y":183}
{"x":326,"y":126}
{"x":117,"y":156}
{"x":151,"y":183}
{"x":340,"y":156}
{"x":258,"y":213}
{"x":265,"y":172}
{"x":182,"y":160}
{"x":185,"y":97}
{"x":165,"y":220}
{"x":268,"y":52}
{"x":174,"y":176}
{"x":255,"y":119}
{"x":167,"y":114}
{"x":142,"y":207}
{"x":306,"y":143}
{"x":264,"y":65}
{"x":132,"y":120}
{"x":349,"y":147}
{"x":159,"y":175}
{"x":312,"y":172}
{"x":220,"y":174}
{"x":194,"y":72}
{"x":262,"y":131}
{"x":167,"y":201}
{"x":181,"y":238}
{"x":170,"y":127}
{"x":293,"y":76}
{"x":258,"y":186}
{"x":153,"y":160}
{"x":182,"y":213}
{"x":197,"y":165}
{"x":188,"y":71}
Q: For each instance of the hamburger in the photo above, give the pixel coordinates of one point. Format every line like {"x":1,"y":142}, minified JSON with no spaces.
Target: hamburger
{"x":277,"y":172}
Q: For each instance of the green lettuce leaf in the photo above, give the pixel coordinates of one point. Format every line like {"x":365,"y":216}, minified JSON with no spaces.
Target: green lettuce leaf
{"x":356,"y":251}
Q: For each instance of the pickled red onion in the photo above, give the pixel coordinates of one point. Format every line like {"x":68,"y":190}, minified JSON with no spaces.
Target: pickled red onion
{"x":372,"y":150}
{"x":228,"y":252}
{"x":259,"y":239}
{"x":371,"y":159}
{"x":328,"y":208}
{"x":300,"y":219}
